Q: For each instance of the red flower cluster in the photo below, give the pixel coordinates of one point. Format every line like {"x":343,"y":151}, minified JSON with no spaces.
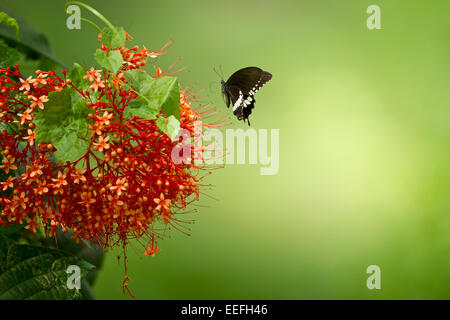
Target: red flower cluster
{"x":120,"y":189}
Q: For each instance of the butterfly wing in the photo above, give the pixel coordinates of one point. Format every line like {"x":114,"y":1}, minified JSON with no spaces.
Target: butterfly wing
{"x":249,"y":79}
{"x":241,"y":87}
{"x":242,"y":103}
{"x":234,"y":96}
{"x":244,"y":110}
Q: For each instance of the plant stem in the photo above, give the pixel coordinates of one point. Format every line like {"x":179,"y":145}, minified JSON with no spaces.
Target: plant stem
{"x":92,"y":24}
{"x":95,"y":12}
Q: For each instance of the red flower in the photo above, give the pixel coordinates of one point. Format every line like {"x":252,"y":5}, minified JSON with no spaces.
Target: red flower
{"x":162,"y":204}
{"x":124,"y":185}
{"x":40,"y":79}
{"x":26,"y":116}
{"x":31,"y":137}
{"x":102,"y":144}
{"x":92,"y":74}
{"x":38,"y":102}
{"x":97,"y":84}
{"x":25,"y":84}
{"x":8,"y":164}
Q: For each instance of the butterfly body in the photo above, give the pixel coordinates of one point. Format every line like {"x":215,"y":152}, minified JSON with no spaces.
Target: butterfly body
{"x":240,"y":88}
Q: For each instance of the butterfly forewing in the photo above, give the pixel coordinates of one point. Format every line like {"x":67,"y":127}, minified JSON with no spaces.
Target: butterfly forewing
{"x":247,"y":78}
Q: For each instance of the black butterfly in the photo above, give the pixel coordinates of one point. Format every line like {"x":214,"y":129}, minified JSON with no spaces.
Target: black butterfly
{"x":240,"y":89}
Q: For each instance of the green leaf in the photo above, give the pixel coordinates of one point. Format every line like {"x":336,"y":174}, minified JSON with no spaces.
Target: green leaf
{"x":79,"y":108}
{"x":76,"y":75}
{"x":63,"y":122}
{"x":140,"y":108}
{"x":8,"y":56}
{"x":171,"y":99}
{"x":88,"y":251}
{"x":112,"y":62}
{"x":33,"y":44}
{"x":29,"y":66}
{"x":69,"y":146}
{"x":32,"y":272}
{"x":11,"y":22}
{"x":138,"y":79}
{"x":12,"y":231}
{"x":170,"y":126}
{"x":107,"y":36}
{"x":113,"y":38}
{"x":119,"y":38}
{"x":57,"y":108}
{"x":154,"y":93}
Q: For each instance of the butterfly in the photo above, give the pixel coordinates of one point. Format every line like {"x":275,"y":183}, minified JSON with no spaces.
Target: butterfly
{"x":240,"y":88}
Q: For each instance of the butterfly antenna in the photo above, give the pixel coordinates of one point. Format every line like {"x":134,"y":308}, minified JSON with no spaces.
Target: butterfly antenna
{"x":214,"y":68}
{"x":221,"y":71}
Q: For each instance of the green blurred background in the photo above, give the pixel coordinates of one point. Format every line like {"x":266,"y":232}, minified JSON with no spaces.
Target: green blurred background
{"x":364,"y":147}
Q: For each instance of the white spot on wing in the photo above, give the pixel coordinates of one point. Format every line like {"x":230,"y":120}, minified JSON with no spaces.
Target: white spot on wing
{"x":238,"y":101}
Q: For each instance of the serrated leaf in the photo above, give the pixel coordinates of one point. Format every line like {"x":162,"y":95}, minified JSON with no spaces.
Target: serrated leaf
{"x":63,"y":122}
{"x":140,"y":108}
{"x":170,"y":126}
{"x":154,"y":93}
{"x":137,"y":79}
{"x":113,"y":38}
{"x":111,"y":62}
{"x":119,"y":38}
{"x":76,"y":75}
{"x":167,"y":94}
{"x":79,"y":108}
{"x":88,"y":251}
{"x":173,"y":127}
{"x":57,"y":108}
{"x":10,"y":22}
{"x":31,"y":272}
{"x":69,"y":146}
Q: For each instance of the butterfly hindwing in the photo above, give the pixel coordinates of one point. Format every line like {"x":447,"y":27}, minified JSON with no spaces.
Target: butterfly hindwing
{"x":245,"y":109}
{"x":241,"y":88}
